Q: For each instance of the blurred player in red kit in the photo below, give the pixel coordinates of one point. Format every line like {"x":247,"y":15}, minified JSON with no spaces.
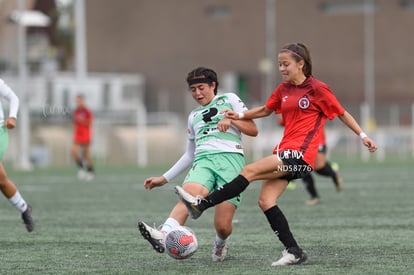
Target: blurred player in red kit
{"x":322,"y":166}
{"x":82,"y":122}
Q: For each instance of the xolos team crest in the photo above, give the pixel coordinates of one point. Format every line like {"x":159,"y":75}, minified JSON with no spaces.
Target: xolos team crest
{"x":303,"y":102}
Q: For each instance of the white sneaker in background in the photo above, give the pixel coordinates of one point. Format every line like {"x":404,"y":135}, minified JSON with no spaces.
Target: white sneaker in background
{"x":313,"y":201}
{"x":89,"y":176}
{"x":82,"y":174}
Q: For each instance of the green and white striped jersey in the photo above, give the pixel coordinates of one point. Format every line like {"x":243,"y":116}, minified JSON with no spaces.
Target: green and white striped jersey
{"x":202,"y":126}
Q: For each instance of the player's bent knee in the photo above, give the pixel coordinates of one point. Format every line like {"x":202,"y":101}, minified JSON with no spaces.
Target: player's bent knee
{"x":249,"y":171}
{"x":223,"y":226}
{"x":224,"y":231}
{"x":265,"y":204}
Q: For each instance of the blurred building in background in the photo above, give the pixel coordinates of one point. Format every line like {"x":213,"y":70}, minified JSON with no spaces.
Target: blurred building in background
{"x":164,"y":40}
{"x":138,"y":53}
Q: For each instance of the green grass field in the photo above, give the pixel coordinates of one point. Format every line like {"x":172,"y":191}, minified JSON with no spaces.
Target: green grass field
{"x":90,"y":227}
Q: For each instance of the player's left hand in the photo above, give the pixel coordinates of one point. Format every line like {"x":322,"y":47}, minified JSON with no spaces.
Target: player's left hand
{"x":224,"y":124}
{"x":152,"y":182}
{"x":10,"y":123}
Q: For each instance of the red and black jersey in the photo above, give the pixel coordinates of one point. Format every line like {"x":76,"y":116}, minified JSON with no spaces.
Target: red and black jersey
{"x":82,"y":119}
{"x":304,"y":109}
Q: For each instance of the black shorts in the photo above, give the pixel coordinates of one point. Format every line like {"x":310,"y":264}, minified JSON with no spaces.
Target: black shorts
{"x":296,"y":167}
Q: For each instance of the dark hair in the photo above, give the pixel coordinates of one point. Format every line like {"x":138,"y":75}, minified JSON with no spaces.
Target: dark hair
{"x":300,"y":52}
{"x":203,"y":75}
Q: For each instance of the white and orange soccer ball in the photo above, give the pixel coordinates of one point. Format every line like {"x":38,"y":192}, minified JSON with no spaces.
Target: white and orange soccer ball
{"x":181,"y":243}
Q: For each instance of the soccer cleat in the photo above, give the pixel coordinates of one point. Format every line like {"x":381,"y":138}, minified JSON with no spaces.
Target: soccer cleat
{"x":339,"y":183}
{"x":219,"y":252}
{"x":291,"y":256}
{"x":155,"y":237}
{"x":190,"y":202}
{"x":291,"y":185}
{"x":27,"y":219}
{"x":89,"y":176}
{"x":313,"y":201}
{"x":335,"y":166}
{"x":82,"y":174}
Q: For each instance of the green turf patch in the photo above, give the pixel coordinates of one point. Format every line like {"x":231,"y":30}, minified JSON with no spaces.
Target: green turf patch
{"x":90,"y":227}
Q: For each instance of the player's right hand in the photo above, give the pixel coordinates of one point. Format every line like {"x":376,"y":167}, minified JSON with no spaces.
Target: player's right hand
{"x":10,"y":122}
{"x":152,"y":182}
{"x":231,"y":114}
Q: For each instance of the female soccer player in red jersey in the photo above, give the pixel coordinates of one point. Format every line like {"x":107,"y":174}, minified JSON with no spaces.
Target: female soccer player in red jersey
{"x":305,"y":103}
{"x":82,"y":121}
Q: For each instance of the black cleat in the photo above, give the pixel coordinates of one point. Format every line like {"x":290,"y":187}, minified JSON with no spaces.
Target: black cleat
{"x":27,"y":219}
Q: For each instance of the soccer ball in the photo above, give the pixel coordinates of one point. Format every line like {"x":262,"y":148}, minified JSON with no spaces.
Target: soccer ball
{"x":181,"y":243}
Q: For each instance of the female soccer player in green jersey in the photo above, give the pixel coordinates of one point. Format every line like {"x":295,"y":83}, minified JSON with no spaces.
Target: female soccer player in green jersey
{"x":214,"y":152}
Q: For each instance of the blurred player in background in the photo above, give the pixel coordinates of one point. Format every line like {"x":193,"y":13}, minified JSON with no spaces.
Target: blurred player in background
{"x":7,"y":187}
{"x":322,"y":167}
{"x":215,"y":152}
{"x":305,"y":104}
{"x":82,"y":135}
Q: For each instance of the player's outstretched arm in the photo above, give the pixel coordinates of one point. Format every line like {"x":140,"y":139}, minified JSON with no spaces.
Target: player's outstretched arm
{"x":257,"y":112}
{"x":183,"y":163}
{"x":349,"y":121}
{"x":153,"y":182}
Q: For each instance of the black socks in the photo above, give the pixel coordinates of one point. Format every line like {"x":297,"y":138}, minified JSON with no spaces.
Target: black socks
{"x":280,"y":226}
{"x":226,"y":192}
{"x":310,"y":185}
{"x":328,"y":171}
{"x":79,"y":163}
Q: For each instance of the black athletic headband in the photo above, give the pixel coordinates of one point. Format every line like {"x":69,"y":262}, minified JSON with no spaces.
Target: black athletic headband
{"x":199,"y":79}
